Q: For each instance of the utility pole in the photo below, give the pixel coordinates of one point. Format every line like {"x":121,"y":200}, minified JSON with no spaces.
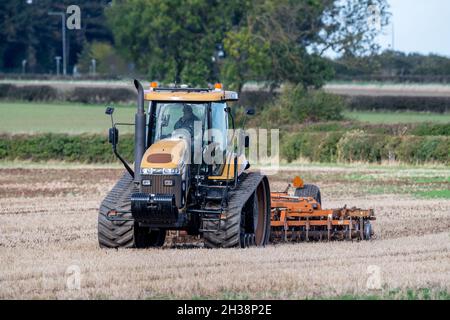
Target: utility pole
{"x":94,"y":66}
{"x":24,"y":66}
{"x":58,"y":62}
{"x":63,"y":34}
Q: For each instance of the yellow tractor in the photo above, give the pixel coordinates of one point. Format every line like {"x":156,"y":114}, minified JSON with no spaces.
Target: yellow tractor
{"x":190,"y":174}
{"x":187,"y":175}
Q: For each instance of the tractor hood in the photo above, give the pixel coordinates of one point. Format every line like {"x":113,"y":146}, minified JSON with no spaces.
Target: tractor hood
{"x":166,"y":154}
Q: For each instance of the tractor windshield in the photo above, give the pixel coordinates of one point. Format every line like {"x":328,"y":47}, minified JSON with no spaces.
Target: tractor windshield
{"x":184,"y":118}
{"x":190,"y":120}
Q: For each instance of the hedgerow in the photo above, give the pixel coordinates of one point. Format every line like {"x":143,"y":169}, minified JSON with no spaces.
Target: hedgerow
{"x":360,"y":146}
{"x":334,"y":146}
{"x":73,"y":148}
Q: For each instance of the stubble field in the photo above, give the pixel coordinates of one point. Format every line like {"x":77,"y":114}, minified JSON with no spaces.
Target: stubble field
{"x":48,"y":221}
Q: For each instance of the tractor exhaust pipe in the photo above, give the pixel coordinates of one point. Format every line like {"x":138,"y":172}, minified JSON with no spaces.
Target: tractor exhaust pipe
{"x":139,"y":132}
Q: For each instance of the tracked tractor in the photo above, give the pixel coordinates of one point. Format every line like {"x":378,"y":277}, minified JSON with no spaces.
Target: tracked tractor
{"x":190,"y":174}
{"x":187,"y":175}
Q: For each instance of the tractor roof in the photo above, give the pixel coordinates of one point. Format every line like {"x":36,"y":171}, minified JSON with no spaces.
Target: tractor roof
{"x":190,"y":94}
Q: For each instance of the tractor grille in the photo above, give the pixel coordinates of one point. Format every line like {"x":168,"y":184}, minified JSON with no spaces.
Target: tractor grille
{"x":157,"y":186}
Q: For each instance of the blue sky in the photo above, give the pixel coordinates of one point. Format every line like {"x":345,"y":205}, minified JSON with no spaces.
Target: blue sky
{"x":419,"y":26}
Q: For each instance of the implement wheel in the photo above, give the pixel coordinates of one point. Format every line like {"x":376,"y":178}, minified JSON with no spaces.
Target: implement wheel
{"x":309,"y":191}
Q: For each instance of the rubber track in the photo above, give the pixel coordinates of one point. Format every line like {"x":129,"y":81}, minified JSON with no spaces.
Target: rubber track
{"x":230,"y":228}
{"x":118,"y":233}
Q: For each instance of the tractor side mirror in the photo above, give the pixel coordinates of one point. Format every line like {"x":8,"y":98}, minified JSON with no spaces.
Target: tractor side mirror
{"x":109,"y":111}
{"x":250,"y":112}
{"x":113,"y":131}
{"x":247,"y":141}
{"x":114,"y":136}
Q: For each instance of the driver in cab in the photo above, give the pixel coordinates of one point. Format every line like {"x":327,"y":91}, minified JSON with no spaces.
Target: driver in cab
{"x":187,"y":120}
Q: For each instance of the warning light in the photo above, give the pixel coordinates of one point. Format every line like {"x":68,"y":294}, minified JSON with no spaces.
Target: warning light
{"x":297,"y":182}
{"x":154,"y":85}
{"x":218,"y":86}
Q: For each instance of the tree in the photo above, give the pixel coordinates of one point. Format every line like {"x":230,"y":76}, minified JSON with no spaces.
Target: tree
{"x":106,"y":57}
{"x":28,"y":32}
{"x":291,"y":37}
{"x":295,"y":105}
{"x":25,"y":34}
{"x":172,"y":41}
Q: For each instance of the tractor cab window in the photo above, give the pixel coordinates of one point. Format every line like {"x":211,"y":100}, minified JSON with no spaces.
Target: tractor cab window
{"x":173,"y":119}
{"x":219,"y":125}
{"x":204,"y":124}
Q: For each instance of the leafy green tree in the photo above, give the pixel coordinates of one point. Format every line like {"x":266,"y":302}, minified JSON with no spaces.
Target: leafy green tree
{"x":291,"y":37}
{"x":172,"y":41}
{"x":297,"y":105}
{"x":247,"y":58}
{"x":265,"y":40}
{"x":109,"y":62}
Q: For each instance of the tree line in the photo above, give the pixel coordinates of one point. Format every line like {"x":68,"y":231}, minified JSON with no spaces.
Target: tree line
{"x":195,"y":41}
{"x":236,"y":41}
{"x":29,"y":34}
{"x":393,"y":65}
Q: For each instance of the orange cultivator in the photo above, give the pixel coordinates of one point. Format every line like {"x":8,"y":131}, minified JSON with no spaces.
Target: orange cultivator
{"x":297,"y":218}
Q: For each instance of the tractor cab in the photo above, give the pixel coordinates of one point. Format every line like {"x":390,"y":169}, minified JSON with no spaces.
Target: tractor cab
{"x":189,"y":126}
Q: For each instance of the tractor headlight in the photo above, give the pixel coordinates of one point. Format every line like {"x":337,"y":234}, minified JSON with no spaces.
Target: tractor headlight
{"x":172,"y":171}
{"x":169,"y":183}
{"x":147,"y":182}
{"x":151,"y":171}
{"x":160,"y":171}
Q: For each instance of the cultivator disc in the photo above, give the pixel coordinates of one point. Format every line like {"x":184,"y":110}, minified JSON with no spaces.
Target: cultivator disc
{"x":303,"y":219}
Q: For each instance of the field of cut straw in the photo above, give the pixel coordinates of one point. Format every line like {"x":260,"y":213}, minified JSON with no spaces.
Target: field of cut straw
{"x":48,"y":242}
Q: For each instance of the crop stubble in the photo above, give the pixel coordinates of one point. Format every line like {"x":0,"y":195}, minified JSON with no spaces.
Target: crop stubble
{"x":48,"y":223}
